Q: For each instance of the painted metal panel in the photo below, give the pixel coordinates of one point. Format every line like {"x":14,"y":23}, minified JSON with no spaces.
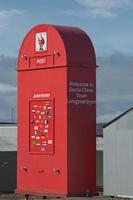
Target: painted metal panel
{"x":8,"y":171}
{"x":99,"y":170}
{"x":99,"y":143}
{"x":8,"y":138}
{"x":118,"y":157}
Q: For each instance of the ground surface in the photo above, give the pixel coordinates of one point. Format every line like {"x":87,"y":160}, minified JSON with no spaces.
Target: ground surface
{"x":19,"y":197}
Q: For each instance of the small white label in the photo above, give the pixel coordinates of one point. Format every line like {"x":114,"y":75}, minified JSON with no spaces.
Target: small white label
{"x":50,"y":141}
{"x":41,"y":95}
{"x":49,"y":108}
{"x":44,"y":107}
{"x":46,"y":126}
{"x":35,"y":128}
{"x":35,"y":106}
{"x":40,"y":61}
{"x":45,"y":122}
{"x":35,"y":132}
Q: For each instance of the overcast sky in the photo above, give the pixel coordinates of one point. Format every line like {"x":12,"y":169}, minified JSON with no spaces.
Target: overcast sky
{"x":109,"y":23}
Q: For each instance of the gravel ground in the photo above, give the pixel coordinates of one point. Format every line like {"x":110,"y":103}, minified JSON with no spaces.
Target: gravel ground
{"x":20,"y":197}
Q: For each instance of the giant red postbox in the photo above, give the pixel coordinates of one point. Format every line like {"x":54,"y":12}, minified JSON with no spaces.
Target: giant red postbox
{"x":56,"y":112}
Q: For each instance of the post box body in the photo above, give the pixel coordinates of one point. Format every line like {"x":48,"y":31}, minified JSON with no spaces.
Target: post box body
{"x":56,"y":112}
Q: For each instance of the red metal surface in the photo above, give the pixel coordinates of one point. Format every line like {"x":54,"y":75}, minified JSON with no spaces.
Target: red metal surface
{"x":56,"y":112}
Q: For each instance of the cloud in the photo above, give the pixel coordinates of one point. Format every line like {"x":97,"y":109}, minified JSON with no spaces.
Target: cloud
{"x":85,"y":13}
{"x":108,"y":117}
{"x":7,"y":87}
{"x":98,"y":8}
{"x":4,"y":14}
{"x":108,"y":4}
{"x":8,"y":70}
{"x":114,"y":85}
{"x":8,"y":22}
{"x":7,"y":103}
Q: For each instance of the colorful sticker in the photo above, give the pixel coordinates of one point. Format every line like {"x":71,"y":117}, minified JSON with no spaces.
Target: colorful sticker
{"x":35,"y":106}
{"x":46,"y":112}
{"x":49,"y":108}
{"x":45,"y":122}
{"x":50,"y":141}
{"x":35,"y":128}
{"x":35,"y":132}
{"x":42,"y":112}
{"x":47,"y":103}
{"x":44,"y":143}
{"x":44,"y":107}
{"x":46,"y":126}
{"x":33,"y":142}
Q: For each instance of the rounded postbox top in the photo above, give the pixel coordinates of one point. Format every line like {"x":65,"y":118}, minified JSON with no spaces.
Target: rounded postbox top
{"x":47,"y":46}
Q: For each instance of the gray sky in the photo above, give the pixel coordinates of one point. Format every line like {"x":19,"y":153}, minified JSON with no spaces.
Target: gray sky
{"x":109,"y":24}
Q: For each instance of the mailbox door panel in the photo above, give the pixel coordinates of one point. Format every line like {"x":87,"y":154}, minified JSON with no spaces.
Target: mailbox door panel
{"x":42,"y":133}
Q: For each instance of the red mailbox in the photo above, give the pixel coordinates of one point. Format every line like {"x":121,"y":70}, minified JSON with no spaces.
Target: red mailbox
{"x":56,"y":112}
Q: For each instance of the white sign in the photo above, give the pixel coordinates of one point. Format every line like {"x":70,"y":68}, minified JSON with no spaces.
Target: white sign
{"x":41,"y":41}
{"x":42,"y":95}
{"x":79,"y":93}
{"x":40,"y":61}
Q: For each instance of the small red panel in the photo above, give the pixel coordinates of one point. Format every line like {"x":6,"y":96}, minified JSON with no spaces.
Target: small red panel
{"x":41,"y":127}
